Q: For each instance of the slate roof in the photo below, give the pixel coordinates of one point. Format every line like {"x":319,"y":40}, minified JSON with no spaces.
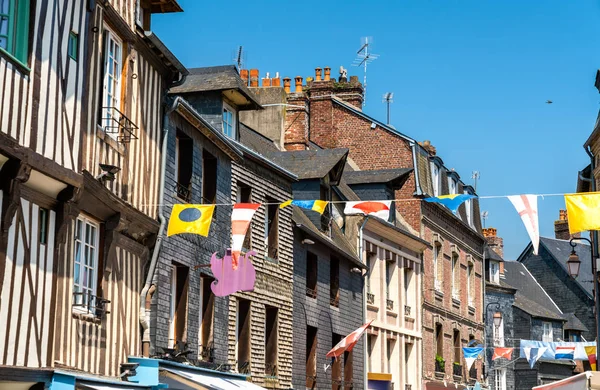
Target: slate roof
{"x":560,"y":251}
{"x":573,"y":323}
{"x":530,"y":296}
{"x":310,"y":164}
{"x":376,"y":176}
{"x":256,"y":141}
{"x":492,"y":255}
{"x":337,"y":242}
{"x":216,"y":78}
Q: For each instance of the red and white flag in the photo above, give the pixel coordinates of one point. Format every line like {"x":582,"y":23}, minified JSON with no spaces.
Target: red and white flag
{"x":348,"y":342}
{"x":379,"y":209}
{"x":526,"y":206}
{"x":241,"y":216}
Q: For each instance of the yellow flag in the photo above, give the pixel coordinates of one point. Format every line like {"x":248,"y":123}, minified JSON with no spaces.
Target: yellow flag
{"x":583,"y":211}
{"x":190,"y":218}
{"x":591,"y":352}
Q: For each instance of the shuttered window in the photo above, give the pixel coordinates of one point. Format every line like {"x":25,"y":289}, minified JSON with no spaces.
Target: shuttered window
{"x":111,"y":90}
{"x":85,"y":255}
{"x":14,"y":28}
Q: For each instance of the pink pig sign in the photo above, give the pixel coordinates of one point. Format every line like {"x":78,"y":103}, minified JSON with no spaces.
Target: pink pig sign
{"x":228,"y":280}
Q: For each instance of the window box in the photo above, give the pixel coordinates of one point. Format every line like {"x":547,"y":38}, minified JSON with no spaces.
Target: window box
{"x":457,"y":370}
{"x":389,"y":304}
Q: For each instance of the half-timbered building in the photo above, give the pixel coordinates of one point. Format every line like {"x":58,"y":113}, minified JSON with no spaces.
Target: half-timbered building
{"x":82,"y":86}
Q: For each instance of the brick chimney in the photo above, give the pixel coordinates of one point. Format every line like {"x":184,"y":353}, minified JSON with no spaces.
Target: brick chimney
{"x":428,"y":147}
{"x":244,"y":75}
{"x":254,"y":77}
{"x":266,"y":81}
{"x":494,"y":242}
{"x":276,"y":81}
{"x":296,"y":117}
{"x":561,"y":227}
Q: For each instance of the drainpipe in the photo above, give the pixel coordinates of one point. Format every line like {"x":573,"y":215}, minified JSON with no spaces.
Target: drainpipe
{"x":144,"y":310}
{"x":418,"y":190}
{"x":360,"y":252}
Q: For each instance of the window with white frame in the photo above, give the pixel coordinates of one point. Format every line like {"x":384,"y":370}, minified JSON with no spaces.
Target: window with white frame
{"x":85,"y":255}
{"x":451,"y":186}
{"x":139,"y":13}
{"x":470,"y":284}
{"x":494,"y":272}
{"x":435,"y":178}
{"x":547,"y":335}
{"x":500,"y":379}
{"x":455,"y":277}
{"x":498,"y":333}
{"x":469,"y":209}
{"x":111,"y":90}
{"x":436,"y":266}
{"x":229,"y":121}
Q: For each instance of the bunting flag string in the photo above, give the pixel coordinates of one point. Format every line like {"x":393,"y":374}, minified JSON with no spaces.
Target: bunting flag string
{"x":378,"y":208}
{"x":348,"y":342}
{"x":533,"y":354}
{"x":471,"y":354}
{"x":583,"y":211}
{"x":453,"y":201}
{"x":314,"y":205}
{"x":526,"y":206}
{"x":591,"y":353}
{"x":241,"y":216}
{"x":501,"y":352}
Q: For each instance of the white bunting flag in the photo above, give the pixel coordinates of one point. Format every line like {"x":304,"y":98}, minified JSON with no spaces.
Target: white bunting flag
{"x":526,"y":206}
{"x":377,"y":208}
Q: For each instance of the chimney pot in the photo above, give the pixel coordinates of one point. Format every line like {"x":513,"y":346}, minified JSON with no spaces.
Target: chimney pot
{"x":318,"y":74}
{"x":298,"y":80}
{"x":327,"y":73}
{"x":286,"y":84}
{"x":562,"y":215}
{"x":494,"y":242}
{"x":354,"y":80}
{"x":244,"y":75}
{"x":489,"y":232}
{"x":254,"y":77}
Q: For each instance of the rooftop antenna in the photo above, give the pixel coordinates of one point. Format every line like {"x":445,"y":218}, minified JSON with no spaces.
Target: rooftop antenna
{"x":388,"y":98}
{"x":363,"y":58}
{"x":238,"y":58}
{"x":484,"y":216}
{"x":475,"y":175}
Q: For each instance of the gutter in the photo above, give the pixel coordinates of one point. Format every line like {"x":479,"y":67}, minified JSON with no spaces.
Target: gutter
{"x":145,"y":312}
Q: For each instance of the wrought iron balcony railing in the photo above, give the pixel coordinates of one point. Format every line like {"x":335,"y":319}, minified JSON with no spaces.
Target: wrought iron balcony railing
{"x":207,"y":354}
{"x":90,"y":304}
{"x":244,"y":368}
{"x":407,"y":387}
{"x":370,"y":298}
{"x":311,"y":292}
{"x":407,"y":310}
{"x":335,"y":301}
{"x":389,"y":304}
{"x":184,"y":192}
{"x":271,"y":369}
{"x":115,"y":122}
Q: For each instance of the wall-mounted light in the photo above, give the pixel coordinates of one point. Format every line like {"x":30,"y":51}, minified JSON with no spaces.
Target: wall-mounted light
{"x":307,"y":241}
{"x":108,"y":172}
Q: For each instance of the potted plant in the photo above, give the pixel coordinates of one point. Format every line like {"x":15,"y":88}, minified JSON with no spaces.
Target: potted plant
{"x":440,"y":364}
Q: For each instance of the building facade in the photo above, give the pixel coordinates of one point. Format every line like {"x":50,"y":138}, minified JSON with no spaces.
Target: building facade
{"x":80,"y":173}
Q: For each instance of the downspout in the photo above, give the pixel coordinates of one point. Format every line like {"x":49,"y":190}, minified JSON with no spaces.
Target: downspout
{"x":418,"y":190}
{"x":144,"y":310}
{"x":362,"y":260}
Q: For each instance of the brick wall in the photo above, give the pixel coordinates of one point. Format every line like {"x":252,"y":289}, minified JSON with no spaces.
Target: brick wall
{"x":191,"y":250}
{"x":320,"y":314}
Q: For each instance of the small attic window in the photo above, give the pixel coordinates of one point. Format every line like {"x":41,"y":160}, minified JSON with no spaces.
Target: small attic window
{"x":229,"y":121}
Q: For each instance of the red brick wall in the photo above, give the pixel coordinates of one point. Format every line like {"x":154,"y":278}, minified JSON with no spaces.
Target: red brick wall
{"x":296,"y":122}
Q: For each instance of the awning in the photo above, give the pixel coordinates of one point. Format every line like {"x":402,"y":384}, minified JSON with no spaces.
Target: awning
{"x":435,"y":385}
{"x":576,"y":382}
{"x":184,"y":379}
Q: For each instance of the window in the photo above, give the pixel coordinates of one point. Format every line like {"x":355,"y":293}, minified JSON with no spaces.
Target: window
{"x":179,"y":300}
{"x":500,"y":379}
{"x":325,"y":194}
{"x":455,"y":277}
{"x":139,"y":14}
{"x":547,"y":335}
{"x":336,"y":365}
{"x":43,"y":226}
{"x":207,"y":314}
{"x":498,"y":332}
{"x":272,"y":227}
{"x":408,"y":290}
{"x":311,"y":357}
{"x":229,"y":121}
{"x":111,"y":91}
{"x":371,"y":339}
{"x":348,"y":369}
{"x":14,"y":28}
{"x":209,"y":178}
{"x":435,"y":179}
{"x":436,"y":266}
{"x":494,"y":272}
{"x":451,"y":186}
{"x":409,"y":370}
{"x":469,"y":209}
{"x":470,"y":284}
{"x":271,"y":336}
{"x":184,"y":165}
{"x":244,"y":195}
{"x":439,"y":339}
{"x":573,"y":336}
{"x":311,"y":274}
{"x":85,"y":255}
{"x":334,"y":282}
{"x":73,"y":46}
{"x":242,"y":336}
{"x":389,"y":351}
{"x":457,"y":348}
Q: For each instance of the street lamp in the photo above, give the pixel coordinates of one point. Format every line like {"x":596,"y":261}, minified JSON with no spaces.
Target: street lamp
{"x":497,"y":319}
{"x":573,"y":265}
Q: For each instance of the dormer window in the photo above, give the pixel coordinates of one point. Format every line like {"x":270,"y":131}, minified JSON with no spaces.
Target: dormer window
{"x":494,"y":272}
{"x":229,"y":121}
{"x":436,"y":177}
{"x":469,"y":205}
{"x":451,"y":186}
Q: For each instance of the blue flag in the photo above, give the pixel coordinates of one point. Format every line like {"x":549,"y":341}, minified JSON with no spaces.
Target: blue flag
{"x":471,"y":354}
{"x":451,"y":201}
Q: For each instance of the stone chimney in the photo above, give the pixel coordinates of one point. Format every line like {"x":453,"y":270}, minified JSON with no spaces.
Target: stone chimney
{"x":428,"y":147}
{"x":494,"y":242}
{"x":561,"y":227}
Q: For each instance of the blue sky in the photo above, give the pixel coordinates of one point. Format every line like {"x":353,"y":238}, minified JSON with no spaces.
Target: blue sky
{"x":472,"y":76}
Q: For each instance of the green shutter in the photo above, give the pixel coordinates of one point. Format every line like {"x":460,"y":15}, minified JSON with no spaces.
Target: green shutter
{"x":21,"y":39}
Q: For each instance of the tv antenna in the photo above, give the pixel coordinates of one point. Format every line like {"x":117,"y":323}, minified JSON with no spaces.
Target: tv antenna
{"x":475,"y":176}
{"x":238,"y":57}
{"x":388,"y":98}
{"x":363,"y":58}
{"x":484,"y":216}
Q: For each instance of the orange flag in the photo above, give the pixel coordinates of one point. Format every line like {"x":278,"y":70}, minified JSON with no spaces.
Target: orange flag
{"x":591,"y":352}
{"x":505,"y":353}
{"x":348,"y":342}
